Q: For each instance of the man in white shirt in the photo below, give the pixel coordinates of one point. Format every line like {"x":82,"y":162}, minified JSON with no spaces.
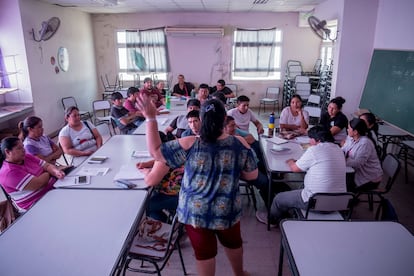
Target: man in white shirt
{"x":243,"y":115}
{"x":325,"y":167}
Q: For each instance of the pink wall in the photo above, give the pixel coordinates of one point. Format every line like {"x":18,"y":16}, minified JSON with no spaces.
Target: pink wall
{"x":207,"y":59}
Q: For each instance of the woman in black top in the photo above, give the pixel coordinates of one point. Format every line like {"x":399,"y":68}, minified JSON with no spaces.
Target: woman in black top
{"x":334,"y":120}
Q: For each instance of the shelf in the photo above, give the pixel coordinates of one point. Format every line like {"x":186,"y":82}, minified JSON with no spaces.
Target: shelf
{"x":10,"y":111}
{"x":7,"y":90}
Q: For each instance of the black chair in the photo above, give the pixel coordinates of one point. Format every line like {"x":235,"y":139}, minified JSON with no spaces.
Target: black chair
{"x":8,"y":211}
{"x":328,"y":206}
{"x":249,"y":191}
{"x":391,"y":166}
{"x":157,"y":249}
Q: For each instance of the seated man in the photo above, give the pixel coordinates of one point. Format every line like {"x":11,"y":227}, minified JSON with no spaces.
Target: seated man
{"x":131,"y":105}
{"x":180,"y":122}
{"x":182,"y":88}
{"x":123,"y":119}
{"x":221,"y":87}
{"x":203,"y":93}
{"x":193,"y":118}
{"x":153,"y":92}
{"x":324,"y":163}
{"x":243,"y":115}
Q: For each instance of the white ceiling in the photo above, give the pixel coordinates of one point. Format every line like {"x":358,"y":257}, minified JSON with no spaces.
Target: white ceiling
{"x":134,"y":6}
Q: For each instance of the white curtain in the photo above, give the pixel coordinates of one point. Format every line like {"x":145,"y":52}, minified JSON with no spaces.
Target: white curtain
{"x":254,"y":53}
{"x":146,"y":51}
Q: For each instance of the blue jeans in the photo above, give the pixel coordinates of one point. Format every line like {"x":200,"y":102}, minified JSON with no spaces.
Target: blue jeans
{"x":159,"y":202}
{"x":262,"y":184}
{"x":285,"y":201}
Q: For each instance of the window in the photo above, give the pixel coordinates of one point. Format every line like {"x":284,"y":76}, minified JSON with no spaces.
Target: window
{"x":257,"y":54}
{"x":142,"y":54}
{"x":327,"y":45}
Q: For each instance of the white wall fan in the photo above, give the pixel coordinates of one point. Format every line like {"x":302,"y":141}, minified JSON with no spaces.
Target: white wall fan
{"x":48,"y":29}
{"x":320,"y":29}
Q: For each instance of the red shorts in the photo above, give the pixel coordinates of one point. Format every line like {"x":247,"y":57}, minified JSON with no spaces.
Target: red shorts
{"x":204,"y":240}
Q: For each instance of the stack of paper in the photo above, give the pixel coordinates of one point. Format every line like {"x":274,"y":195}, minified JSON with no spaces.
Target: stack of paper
{"x":97,"y":159}
{"x":69,"y":181}
{"x":277,"y":140}
{"x":128,"y":172}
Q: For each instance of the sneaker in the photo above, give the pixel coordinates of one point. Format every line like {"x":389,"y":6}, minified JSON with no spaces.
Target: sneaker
{"x":262,"y":217}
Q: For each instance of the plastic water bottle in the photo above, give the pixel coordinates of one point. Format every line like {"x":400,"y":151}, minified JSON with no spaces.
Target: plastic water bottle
{"x":271,"y":125}
{"x":167,"y":100}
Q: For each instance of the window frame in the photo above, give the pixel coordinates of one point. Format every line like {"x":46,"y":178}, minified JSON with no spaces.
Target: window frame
{"x":127,"y":74}
{"x":276,"y":72}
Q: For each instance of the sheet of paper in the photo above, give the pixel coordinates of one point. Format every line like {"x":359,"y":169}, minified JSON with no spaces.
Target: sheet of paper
{"x":140,"y":153}
{"x":128,"y":172}
{"x":93,"y":171}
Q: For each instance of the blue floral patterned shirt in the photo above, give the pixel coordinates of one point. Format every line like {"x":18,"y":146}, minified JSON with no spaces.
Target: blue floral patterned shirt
{"x":209,"y":196}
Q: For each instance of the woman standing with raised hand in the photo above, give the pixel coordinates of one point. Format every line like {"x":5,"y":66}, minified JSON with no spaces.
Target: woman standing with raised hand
{"x":35,"y":143}
{"x":209,"y":202}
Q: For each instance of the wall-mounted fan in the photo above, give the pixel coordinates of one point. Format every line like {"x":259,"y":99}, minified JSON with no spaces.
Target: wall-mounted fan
{"x":319,"y":28}
{"x":48,"y":29}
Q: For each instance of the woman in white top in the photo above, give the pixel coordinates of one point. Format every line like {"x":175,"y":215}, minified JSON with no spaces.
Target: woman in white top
{"x":293,"y":117}
{"x":361,"y":155}
{"x":78,"y":138}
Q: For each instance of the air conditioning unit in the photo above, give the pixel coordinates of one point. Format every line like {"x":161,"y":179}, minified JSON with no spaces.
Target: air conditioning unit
{"x":195,"y":31}
{"x":303,"y":19}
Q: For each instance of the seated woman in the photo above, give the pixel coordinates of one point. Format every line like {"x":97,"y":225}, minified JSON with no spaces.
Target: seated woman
{"x":293,"y":117}
{"x":334,"y":120}
{"x":78,"y":138}
{"x":372,"y":133}
{"x":360,"y":154}
{"x":37,"y":144}
{"x":25,"y":177}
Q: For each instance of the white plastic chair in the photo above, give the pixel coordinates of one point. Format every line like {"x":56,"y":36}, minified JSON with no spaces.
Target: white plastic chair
{"x":327,"y":206}
{"x":314,"y":100}
{"x":101,"y":113}
{"x":314,"y":114}
{"x":303,"y":89}
{"x":70,"y":101}
{"x":272,"y":97}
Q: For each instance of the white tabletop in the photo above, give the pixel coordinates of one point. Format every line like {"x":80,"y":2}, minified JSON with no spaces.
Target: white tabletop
{"x":387,"y":130}
{"x":72,"y":232}
{"x":163,"y":121}
{"x":276,"y":162}
{"x":409,"y":143}
{"x":118,"y":149}
{"x":349,"y":248}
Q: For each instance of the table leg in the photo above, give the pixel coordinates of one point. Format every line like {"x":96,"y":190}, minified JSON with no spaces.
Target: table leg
{"x":280,"y":270}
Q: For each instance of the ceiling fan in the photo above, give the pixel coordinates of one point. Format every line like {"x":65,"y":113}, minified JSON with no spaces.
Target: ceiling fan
{"x":320,"y":29}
